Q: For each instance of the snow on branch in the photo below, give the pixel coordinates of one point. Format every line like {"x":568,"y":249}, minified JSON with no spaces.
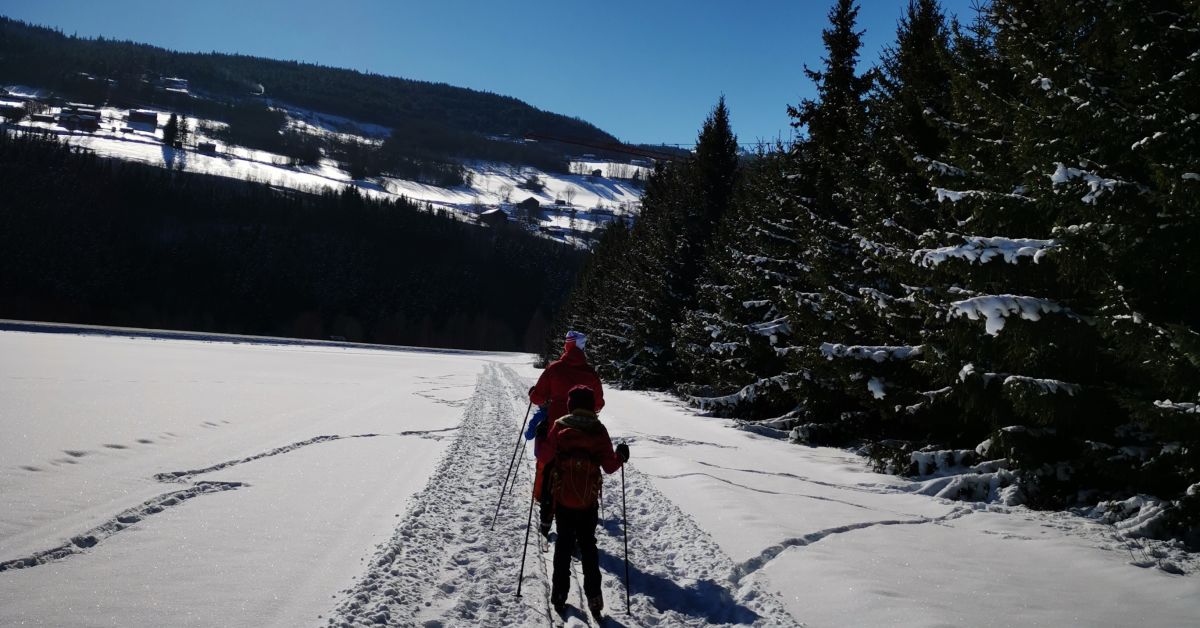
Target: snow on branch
{"x":955,"y":196}
{"x":747,"y":393}
{"x":933,"y":165}
{"x":983,"y":250}
{"x":1096,"y":184}
{"x":1044,"y":386}
{"x":877,"y":353}
{"x":1182,"y":406}
{"x":770,"y":329}
{"x":996,"y":308}
{"x":1041,"y":385}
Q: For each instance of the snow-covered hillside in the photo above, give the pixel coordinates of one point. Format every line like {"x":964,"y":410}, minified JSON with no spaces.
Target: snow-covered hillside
{"x":199,"y":482}
{"x":579,"y":201}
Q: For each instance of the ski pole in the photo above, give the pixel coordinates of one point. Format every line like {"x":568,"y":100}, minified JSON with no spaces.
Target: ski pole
{"x":517,"y":473}
{"x":525,"y":550}
{"x":504,"y":487}
{"x":625,"y":530}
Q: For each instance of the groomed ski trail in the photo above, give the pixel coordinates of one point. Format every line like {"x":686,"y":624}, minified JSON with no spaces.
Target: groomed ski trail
{"x":443,"y":566}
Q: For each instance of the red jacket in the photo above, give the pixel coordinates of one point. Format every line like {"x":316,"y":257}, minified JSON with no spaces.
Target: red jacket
{"x":580,"y":431}
{"x":566,"y":372}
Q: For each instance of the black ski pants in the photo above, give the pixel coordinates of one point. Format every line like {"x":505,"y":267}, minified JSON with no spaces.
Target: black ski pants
{"x":575,"y":527}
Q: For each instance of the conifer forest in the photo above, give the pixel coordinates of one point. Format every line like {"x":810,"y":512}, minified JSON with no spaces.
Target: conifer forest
{"x":981,"y":248}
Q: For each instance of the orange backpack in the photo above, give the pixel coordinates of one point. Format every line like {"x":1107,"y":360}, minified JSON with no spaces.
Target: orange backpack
{"x":575,"y":480}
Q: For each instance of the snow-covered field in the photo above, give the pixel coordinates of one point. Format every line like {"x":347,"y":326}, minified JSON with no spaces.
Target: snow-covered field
{"x":153,"y":481}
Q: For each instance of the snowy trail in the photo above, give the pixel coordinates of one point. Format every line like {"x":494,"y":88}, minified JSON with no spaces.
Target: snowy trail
{"x":213,"y":481}
{"x":445,"y":567}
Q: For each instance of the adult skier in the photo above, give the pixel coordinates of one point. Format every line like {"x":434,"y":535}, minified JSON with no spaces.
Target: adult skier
{"x":550,"y":394}
{"x":576,"y":449}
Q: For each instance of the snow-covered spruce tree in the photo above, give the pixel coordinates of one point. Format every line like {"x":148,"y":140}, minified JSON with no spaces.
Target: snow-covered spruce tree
{"x":712,"y":176}
{"x":1117,"y":85}
{"x":835,"y":122}
{"x":826,"y":167}
{"x":587,"y":304}
{"x":656,"y":283}
{"x":1061,"y":325}
{"x":727,"y":345}
{"x":890,"y":209}
{"x":786,"y":274}
{"x":631,"y":313}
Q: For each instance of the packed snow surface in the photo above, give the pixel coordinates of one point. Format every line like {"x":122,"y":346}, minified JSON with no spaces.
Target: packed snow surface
{"x":201,"y":482}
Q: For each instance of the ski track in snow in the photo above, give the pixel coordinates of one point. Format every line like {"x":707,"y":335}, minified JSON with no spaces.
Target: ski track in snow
{"x":77,"y":544}
{"x":756,"y":563}
{"x":444,"y":566}
{"x":179,"y":476}
{"x":770,"y":492}
{"x":126,"y":518}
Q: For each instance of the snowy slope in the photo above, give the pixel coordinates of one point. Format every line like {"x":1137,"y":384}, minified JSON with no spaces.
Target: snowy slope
{"x":490,"y":184}
{"x":256,"y":484}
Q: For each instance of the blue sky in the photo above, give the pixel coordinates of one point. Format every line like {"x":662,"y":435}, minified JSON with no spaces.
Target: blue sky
{"x":646,"y":71}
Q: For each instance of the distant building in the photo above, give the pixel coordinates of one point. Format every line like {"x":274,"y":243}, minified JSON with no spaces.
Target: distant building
{"x":76,"y":116}
{"x":597,"y":173}
{"x":558,"y":202}
{"x":208,"y":148}
{"x":529,"y":204}
{"x":11,"y":112}
{"x":41,"y":117}
{"x":140,"y":116}
{"x":493,"y":218}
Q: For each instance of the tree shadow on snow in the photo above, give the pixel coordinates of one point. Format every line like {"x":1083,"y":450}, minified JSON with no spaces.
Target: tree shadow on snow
{"x":704,"y":599}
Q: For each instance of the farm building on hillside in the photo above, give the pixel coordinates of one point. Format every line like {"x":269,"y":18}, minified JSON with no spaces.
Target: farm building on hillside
{"x":78,"y":116}
{"x":493,"y":218}
{"x":208,"y":148}
{"x":139,"y":116}
{"x":530,"y":204}
{"x":12,"y":112}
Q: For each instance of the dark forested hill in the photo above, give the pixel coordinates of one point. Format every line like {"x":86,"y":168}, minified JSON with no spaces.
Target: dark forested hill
{"x":103,"y":241}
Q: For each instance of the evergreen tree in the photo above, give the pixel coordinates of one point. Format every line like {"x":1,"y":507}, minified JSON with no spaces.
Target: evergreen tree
{"x":681,"y":208}
{"x":171,"y":130}
{"x":879,"y":364}
{"x":730,"y":345}
{"x":835,"y":122}
{"x":183,"y":133}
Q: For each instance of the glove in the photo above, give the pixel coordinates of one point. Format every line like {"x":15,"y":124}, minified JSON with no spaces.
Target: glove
{"x":623,"y":452}
{"x":535,"y":425}
{"x":543,"y":429}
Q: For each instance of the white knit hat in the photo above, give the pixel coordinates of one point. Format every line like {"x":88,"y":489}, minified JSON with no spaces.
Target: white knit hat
{"x":578,"y":338}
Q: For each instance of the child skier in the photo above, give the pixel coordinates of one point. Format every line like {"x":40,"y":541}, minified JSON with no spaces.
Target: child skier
{"x":575,"y":450}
